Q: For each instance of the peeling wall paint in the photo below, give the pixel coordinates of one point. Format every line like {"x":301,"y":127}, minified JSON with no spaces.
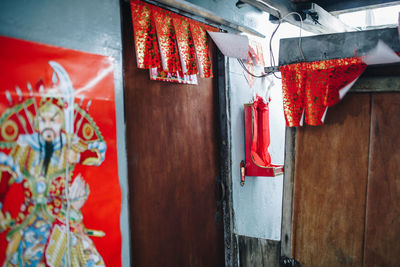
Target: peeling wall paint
{"x":257,"y":205}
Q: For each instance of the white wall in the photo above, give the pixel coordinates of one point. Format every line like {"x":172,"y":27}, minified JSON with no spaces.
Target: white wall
{"x":258,"y":205}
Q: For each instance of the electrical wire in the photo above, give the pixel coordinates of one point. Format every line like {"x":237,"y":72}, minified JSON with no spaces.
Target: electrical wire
{"x":271,"y":53}
{"x":301,"y":27}
{"x":254,"y":75}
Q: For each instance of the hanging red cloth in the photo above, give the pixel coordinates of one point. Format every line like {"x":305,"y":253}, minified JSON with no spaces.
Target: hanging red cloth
{"x":166,"y":39}
{"x":185,"y":45}
{"x":309,"y":88}
{"x":261,"y":137}
{"x":147,"y":51}
{"x":257,"y":141}
{"x":199,"y":33}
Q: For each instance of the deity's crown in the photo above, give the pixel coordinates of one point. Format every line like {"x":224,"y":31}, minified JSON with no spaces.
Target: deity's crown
{"x":50,"y":96}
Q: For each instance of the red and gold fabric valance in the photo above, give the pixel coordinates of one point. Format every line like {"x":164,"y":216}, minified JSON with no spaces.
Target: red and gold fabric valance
{"x":170,"y":42}
{"x":309,"y":88}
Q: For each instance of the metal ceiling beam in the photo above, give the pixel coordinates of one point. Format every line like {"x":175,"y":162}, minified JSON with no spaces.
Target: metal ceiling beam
{"x":277,"y":8}
{"x":198,"y":13}
{"x":327,"y":23}
{"x":339,"y":45}
{"x":315,"y":18}
{"x":342,"y":6}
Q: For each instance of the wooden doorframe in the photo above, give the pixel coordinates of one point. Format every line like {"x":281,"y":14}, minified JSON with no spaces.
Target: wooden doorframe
{"x":366,"y":84}
{"x":225,"y":149}
{"x":224,"y":143}
{"x":288,"y":186}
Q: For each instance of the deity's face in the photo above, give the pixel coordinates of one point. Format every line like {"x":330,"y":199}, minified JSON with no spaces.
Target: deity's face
{"x":50,"y":123}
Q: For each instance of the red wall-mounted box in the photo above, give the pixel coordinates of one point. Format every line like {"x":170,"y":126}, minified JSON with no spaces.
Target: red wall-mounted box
{"x":251,"y":168}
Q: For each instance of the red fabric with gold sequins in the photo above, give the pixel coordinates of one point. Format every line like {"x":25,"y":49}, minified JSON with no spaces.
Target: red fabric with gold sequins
{"x":309,"y":88}
{"x":166,"y":39}
{"x":175,"y":42}
{"x":199,"y":33}
{"x":185,"y":45}
{"x":147,"y":52}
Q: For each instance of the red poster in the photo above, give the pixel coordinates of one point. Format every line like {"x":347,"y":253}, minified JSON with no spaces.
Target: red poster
{"x":57,"y":128}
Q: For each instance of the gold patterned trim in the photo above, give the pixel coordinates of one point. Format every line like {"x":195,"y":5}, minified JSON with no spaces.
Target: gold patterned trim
{"x":87,"y":131}
{"x":9,"y":130}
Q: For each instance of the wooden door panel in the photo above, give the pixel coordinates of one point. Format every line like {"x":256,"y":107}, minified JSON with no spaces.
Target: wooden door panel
{"x":382,"y":246}
{"x":330,"y":186}
{"x":172,"y":152}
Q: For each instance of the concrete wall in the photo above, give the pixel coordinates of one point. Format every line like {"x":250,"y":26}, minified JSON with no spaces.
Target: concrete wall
{"x":257,"y":205}
{"x":90,"y":26}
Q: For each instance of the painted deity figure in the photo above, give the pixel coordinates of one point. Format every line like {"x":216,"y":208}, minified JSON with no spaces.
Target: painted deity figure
{"x":42,"y":163}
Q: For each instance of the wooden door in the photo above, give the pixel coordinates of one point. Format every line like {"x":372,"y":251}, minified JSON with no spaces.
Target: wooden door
{"x":382,"y":225}
{"x":330,"y":186}
{"x":346,"y":200}
{"x":172,"y":152}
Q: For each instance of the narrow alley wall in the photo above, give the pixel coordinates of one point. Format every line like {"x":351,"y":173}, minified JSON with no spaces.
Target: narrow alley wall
{"x":89,"y":26}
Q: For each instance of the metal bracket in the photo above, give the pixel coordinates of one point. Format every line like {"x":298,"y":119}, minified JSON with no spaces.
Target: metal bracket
{"x":242,"y":173}
{"x":271,"y":69}
{"x":264,"y":172}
